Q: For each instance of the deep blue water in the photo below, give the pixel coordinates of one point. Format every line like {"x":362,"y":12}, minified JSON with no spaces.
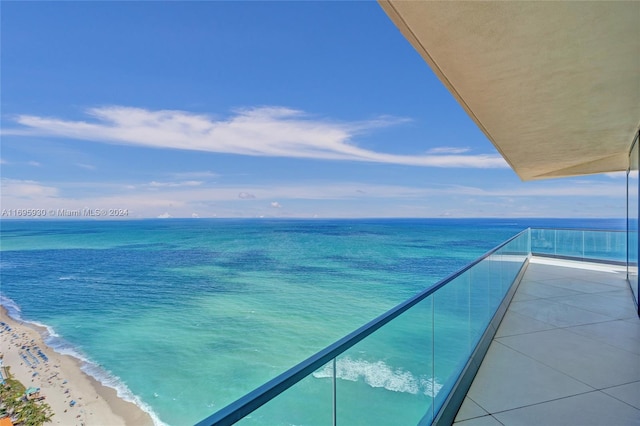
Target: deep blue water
{"x":185,"y":316}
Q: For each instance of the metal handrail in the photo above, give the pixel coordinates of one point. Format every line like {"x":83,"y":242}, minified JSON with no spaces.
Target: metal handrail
{"x":536,"y":228}
{"x":263,"y":394}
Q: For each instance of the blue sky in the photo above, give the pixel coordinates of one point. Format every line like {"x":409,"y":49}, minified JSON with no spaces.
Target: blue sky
{"x":248,"y":109}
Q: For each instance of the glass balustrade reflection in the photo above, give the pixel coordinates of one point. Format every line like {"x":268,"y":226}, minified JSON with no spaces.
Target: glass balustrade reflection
{"x":580,"y":244}
{"x":308,"y":402}
{"x":387,"y":378}
{"x":459,"y":309}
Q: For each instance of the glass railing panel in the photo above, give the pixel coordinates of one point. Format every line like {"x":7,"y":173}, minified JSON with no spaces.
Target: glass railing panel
{"x":513,"y":256}
{"x":308,"y":402}
{"x":580,"y":244}
{"x":570,"y":243}
{"x":401,"y":367}
{"x":480,"y":279}
{"x":543,"y":241}
{"x":499,"y":274}
{"x":605,"y":245}
{"x":387,"y":378}
{"x":495,"y":288}
{"x":464,"y":307}
{"x":459,"y":309}
{"x":510,"y":263}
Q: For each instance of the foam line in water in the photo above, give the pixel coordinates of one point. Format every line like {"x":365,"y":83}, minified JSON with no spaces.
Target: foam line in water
{"x":380,"y":375}
{"x":123,"y":392}
{"x":56,"y":343}
{"x":12,"y":307}
{"x":66,"y":278}
{"x":50,"y":331}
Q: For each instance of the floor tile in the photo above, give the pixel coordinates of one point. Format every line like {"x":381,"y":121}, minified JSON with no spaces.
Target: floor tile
{"x":603,"y":303}
{"x":629,"y":393}
{"x":582,"y":358}
{"x":590,"y":409}
{"x":469,"y":410}
{"x":535,"y":273}
{"x":521,"y":296}
{"x":537,"y":269}
{"x":580,"y":285}
{"x":544,"y":291}
{"x":514,"y":323}
{"x":620,"y":334}
{"x":480,"y":421}
{"x":558,"y":314}
{"x":507,"y":379}
{"x":613,"y":279}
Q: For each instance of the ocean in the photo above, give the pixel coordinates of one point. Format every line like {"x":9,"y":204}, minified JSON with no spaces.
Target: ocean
{"x":185,"y":316}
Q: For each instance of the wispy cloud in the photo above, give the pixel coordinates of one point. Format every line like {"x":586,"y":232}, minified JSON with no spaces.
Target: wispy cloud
{"x":26,"y":189}
{"x":155,"y":184}
{"x":86,"y":166}
{"x":194,"y":175}
{"x":448,"y":150}
{"x":575,"y":189}
{"x":31,"y":163}
{"x":262,"y":131}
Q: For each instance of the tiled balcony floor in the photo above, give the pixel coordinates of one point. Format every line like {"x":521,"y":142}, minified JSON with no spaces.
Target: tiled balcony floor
{"x":566,"y":353}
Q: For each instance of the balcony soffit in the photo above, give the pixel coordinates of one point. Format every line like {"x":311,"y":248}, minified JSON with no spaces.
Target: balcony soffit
{"x":555,"y":86}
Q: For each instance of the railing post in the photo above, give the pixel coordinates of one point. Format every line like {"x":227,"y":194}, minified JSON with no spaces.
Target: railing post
{"x":335,"y":413}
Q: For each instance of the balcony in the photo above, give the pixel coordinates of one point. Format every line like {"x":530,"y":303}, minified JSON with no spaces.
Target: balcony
{"x":566,"y":353}
{"x":570,"y":338}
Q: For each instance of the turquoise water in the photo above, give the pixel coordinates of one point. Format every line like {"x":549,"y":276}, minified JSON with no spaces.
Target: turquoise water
{"x":185,"y":316}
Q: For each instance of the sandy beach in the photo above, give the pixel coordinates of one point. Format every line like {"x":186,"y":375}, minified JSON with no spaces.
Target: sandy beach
{"x":61,"y":381}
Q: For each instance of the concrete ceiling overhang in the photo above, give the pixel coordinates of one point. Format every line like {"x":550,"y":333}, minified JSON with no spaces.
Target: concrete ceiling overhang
{"x":555,"y":86}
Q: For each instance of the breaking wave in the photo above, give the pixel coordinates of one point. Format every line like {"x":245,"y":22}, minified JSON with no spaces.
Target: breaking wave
{"x":380,"y":375}
{"x":12,"y":307}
